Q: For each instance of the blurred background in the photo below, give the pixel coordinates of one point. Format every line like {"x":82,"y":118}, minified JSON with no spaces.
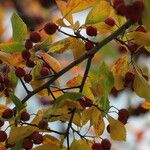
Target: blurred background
{"x":35,"y":14}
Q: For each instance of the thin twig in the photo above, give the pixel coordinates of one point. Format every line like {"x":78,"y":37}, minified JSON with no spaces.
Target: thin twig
{"x":23,"y":84}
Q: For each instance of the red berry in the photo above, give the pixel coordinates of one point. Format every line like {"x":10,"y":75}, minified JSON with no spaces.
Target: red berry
{"x":1,"y":61}
{"x":106,"y":145}
{"x":27,"y":78}
{"x":122,"y":49}
{"x":25,"y":116}
{"x":8,"y":91}
{"x":26,"y":54}
{"x":91,"y":31}
{"x":117,"y":2}
{"x":139,"y":5}
{"x":1,"y":123}
{"x":110,"y":21}
{"x":7,"y":81}
{"x":35,"y":37}
{"x":129,"y":76}
{"x":1,"y":78}
{"x":50,"y":28}
{"x":20,"y":72}
{"x":7,"y":114}
{"x":45,"y":3}
{"x":30,"y":63}
{"x":44,"y":71}
{"x":43,"y":124}
{"x":37,"y":138}
{"x":86,"y":102}
{"x":114,"y":92}
{"x":28,"y":44}
{"x":121,"y":9}
{"x":97,"y":146}
{"x":89,"y":46}
{"x":123,"y":120}
{"x":141,"y":29}
{"x":27,"y":144}
{"x":3,"y":136}
{"x":123,"y":115}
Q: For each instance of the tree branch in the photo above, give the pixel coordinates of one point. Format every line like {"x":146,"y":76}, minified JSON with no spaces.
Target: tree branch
{"x":81,"y":59}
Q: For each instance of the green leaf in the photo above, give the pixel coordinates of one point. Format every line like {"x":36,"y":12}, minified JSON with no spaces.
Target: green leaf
{"x":45,"y":43}
{"x":104,"y":103}
{"x":99,"y":13}
{"x":16,"y":101}
{"x":66,"y":96}
{"x":19,"y":28}
{"x":18,"y":146}
{"x":14,"y":79}
{"x":12,"y":47}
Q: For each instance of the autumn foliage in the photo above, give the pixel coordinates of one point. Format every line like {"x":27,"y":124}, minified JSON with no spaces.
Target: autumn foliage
{"x":103,"y":62}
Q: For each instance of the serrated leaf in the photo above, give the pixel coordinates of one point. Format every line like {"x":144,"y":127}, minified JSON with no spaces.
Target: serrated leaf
{"x":99,"y":13}
{"x":12,"y":47}
{"x":141,"y":86}
{"x":117,"y":129}
{"x":19,"y":28}
{"x":99,"y":127}
{"x":16,"y":101}
{"x":146,"y":14}
{"x":80,"y":144}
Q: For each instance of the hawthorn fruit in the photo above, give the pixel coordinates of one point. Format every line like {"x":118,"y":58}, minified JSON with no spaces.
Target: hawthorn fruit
{"x":97,"y":146}
{"x":3,"y":136}
{"x":25,"y":116}
{"x":30,"y":63}
{"x":26,"y":55}
{"x":35,"y":37}
{"x":121,"y":9}
{"x":123,"y":115}
{"x":27,"y":144}
{"x":37,"y":138}
{"x":91,"y":31}
{"x":110,"y":21}
{"x":27,"y":78}
{"x":43,"y":124}
{"x":141,"y":29}
{"x":44,"y":71}
{"x":8,"y":145}
{"x":50,"y":28}
{"x":20,"y":72}
{"x":28,"y":44}
{"x":8,"y":113}
{"x":89,"y":46}
{"x":106,"y":145}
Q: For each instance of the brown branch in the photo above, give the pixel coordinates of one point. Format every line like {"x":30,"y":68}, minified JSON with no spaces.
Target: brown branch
{"x":81,"y":59}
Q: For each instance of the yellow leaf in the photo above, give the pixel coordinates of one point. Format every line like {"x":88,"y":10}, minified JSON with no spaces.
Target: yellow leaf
{"x":146,"y":105}
{"x":80,"y":145}
{"x":50,"y":60}
{"x":99,"y":13}
{"x":48,"y":146}
{"x":119,"y":70}
{"x":99,"y":127}
{"x":140,"y":38}
{"x":141,"y":86}
{"x":117,"y":129}
{"x":146,"y":14}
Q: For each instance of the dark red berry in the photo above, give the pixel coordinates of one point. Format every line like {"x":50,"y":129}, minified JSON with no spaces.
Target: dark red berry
{"x":25,"y":116}
{"x":3,"y":136}
{"x":141,"y":29}
{"x":8,"y":91}
{"x":124,"y":113}
{"x":27,"y":144}
{"x":139,"y":5}
{"x":91,"y":31}
{"x":50,"y":28}
{"x":86,"y":102}
{"x":89,"y":46}
{"x":1,"y":61}
{"x":35,"y":37}
{"x":26,"y":55}
{"x":106,"y":145}
{"x":46,"y":3}
{"x":7,"y":81}
{"x":30,"y":63}
{"x":117,"y":2}
{"x":20,"y":72}
{"x":7,"y":114}
{"x":43,"y":124}
{"x":28,"y":44}
{"x":123,"y":120}
{"x":1,"y":123}
{"x":37,"y":138}
{"x":114,"y":92}
{"x":110,"y":21}
{"x":129,"y":76}
{"x":122,"y":49}
{"x":44,"y":71}
{"x":97,"y":146}
{"x":121,"y":9}
{"x":27,"y":78}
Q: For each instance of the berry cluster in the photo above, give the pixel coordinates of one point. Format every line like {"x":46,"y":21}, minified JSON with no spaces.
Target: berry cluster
{"x":132,"y":11}
{"x":104,"y":145}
